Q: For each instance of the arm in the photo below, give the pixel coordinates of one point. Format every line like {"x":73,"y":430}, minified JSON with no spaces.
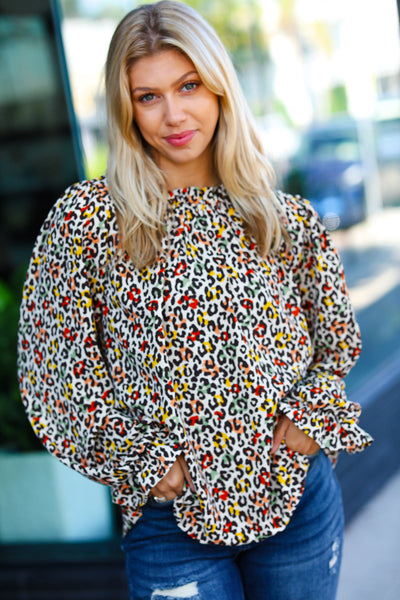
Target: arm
{"x":72,"y":401}
{"x":317,"y":403}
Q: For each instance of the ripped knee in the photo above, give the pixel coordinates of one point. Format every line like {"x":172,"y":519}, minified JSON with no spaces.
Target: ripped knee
{"x":185,"y":592}
{"x":334,"y":562}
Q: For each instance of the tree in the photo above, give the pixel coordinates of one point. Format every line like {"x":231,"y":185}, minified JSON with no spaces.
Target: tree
{"x":238,"y":24}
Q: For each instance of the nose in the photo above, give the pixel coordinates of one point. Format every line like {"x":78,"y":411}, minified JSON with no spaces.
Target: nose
{"x":174,"y":113}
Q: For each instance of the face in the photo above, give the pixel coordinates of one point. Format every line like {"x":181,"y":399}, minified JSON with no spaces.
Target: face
{"x":176,"y":115}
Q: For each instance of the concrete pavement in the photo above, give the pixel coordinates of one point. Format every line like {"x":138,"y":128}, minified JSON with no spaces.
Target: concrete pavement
{"x":371,"y":256}
{"x":371,"y":554}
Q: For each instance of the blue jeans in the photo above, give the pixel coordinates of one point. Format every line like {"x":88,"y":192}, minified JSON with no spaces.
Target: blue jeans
{"x":300,"y":563}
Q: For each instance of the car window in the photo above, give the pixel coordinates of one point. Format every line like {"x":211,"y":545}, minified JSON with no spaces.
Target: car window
{"x":338,"y":149}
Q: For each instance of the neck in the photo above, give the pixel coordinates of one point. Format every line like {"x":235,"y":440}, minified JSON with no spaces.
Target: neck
{"x":195,"y":181}
{"x":199,"y":173}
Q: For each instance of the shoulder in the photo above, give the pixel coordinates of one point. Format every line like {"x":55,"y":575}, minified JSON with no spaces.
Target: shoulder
{"x":309,"y":238}
{"x":296,"y":210}
{"x":87,"y":200}
{"x":82,"y":218}
{"x":84,"y":206}
{"x":310,"y":241}
{"x":301,"y":220}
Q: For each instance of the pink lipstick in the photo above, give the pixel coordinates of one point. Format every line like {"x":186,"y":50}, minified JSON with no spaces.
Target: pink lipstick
{"x":181,"y":139}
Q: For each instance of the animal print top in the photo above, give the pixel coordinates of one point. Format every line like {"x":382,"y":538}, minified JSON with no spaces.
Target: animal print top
{"x":122,"y":370}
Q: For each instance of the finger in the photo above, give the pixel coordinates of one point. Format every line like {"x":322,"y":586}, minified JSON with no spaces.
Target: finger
{"x":172,"y":483}
{"x":163,"y":490}
{"x":157,"y":493}
{"x":186,"y":473}
{"x":280,"y":432}
{"x":299,"y":441}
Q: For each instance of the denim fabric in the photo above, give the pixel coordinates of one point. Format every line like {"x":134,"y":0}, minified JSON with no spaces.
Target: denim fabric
{"x":300,"y":563}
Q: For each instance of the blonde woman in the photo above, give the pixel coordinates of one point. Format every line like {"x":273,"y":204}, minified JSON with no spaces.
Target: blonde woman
{"x":185,"y":331}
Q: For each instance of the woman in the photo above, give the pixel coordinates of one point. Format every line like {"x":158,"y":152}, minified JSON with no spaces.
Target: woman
{"x":185,"y":330}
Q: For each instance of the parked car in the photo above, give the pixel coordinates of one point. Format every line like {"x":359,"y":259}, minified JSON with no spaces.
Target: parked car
{"x":328,"y":170}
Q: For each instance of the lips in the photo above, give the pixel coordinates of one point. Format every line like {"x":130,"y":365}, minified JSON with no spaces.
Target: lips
{"x":180,"y":139}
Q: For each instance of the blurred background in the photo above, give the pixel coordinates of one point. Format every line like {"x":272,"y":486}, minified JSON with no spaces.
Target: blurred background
{"x":322,"y":78}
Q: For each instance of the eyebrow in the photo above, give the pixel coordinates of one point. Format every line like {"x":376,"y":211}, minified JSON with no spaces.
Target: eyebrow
{"x":152,"y":89}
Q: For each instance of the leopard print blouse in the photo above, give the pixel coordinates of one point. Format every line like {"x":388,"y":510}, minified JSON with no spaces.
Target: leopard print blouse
{"x":121,"y":370}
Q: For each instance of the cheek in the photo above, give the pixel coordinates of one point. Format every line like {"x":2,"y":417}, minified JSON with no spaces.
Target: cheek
{"x":212,"y":111}
{"x":146,"y":124}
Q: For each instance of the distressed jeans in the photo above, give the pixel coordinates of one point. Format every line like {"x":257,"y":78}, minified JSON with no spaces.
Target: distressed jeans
{"x":300,"y":563}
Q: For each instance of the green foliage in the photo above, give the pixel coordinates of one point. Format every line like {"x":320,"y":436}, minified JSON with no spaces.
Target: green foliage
{"x":338,"y":100}
{"x":96,"y":162}
{"x":15,"y":431}
{"x":279,"y":108}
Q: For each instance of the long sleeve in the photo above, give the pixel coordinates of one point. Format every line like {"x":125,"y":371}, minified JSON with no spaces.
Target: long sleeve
{"x":71,"y":398}
{"x":317,"y":403}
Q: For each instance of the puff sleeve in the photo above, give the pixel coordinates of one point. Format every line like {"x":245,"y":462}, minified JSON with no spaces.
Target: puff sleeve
{"x":69,"y":394}
{"x":317,"y":403}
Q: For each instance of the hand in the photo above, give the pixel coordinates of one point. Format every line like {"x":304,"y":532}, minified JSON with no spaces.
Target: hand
{"x":171,"y":485}
{"x":295,"y":439}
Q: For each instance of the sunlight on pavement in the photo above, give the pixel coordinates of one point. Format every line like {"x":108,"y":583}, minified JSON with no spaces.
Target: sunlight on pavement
{"x":371,"y":255}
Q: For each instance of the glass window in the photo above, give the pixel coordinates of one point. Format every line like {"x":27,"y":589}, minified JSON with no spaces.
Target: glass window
{"x":39,"y":147}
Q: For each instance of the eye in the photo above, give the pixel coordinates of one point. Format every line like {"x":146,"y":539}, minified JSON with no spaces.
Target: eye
{"x":145,"y":98}
{"x":189,"y":86}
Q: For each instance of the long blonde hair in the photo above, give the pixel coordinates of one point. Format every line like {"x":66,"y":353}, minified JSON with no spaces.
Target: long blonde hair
{"x":135,"y":181}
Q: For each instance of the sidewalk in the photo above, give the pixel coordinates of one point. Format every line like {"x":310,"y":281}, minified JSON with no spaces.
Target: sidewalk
{"x":371,"y":256}
{"x":371,"y":554}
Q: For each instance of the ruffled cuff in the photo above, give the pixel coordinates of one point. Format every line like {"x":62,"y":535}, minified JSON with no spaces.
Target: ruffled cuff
{"x":155,"y":461}
{"x":334,"y":426}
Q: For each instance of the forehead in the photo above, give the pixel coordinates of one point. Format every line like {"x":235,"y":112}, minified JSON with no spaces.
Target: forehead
{"x":159,"y":69}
